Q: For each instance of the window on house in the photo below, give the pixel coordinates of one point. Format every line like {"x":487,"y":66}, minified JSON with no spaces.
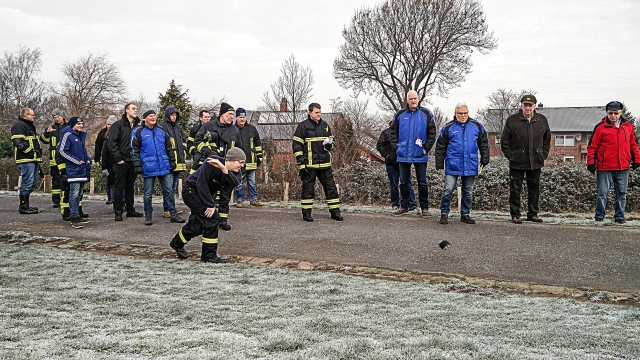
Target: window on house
{"x":569,"y":159}
{"x":498,"y":139}
{"x":565,"y":140}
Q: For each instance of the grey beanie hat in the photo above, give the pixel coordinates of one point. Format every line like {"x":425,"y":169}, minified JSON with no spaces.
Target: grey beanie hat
{"x":111,"y":120}
{"x":236,"y":154}
{"x":56,"y":112}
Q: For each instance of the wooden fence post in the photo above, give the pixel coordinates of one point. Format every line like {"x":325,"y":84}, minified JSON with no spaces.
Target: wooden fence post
{"x":19,"y":181}
{"x":459,"y":197}
{"x":179,"y":189}
{"x":92,"y":186}
{"x":285,"y":196}
{"x":47,"y":183}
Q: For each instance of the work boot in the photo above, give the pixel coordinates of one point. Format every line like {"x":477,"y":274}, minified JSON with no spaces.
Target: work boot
{"x":82,"y":213}
{"x":337,"y":217}
{"x":225,"y":226}
{"x":400,"y":212}
{"x":425,"y":213}
{"x":118,"y":216}
{"x":177,"y":245}
{"x":467,"y":219}
{"x":134,"y":213}
{"x":56,"y":201}
{"x":209,"y":254}
{"x":32,"y":208}
{"x":307,"y":217}
{"x":239,"y":204}
{"x":65,"y":214}
{"x":168,"y":214}
{"x":75,"y":222}
{"x":109,"y":198}
{"x":148,"y":220}
{"x":534,"y":218}
{"x":24,"y":206}
{"x":444,"y":219}
{"x":620,"y":221}
{"x":177,"y":219}
{"x":516,"y":220}
{"x":255,"y":203}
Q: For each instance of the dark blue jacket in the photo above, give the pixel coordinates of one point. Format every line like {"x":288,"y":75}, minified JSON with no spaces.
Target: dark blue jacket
{"x":458,"y":145}
{"x":73,"y":149}
{"x":152,"y":151}
{"x":409,"y":126}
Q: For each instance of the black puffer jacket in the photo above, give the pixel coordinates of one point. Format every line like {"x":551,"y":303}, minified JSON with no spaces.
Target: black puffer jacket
{"x":526,"y":143}
{"x":386,"y":148}
{"x":119,"y":142}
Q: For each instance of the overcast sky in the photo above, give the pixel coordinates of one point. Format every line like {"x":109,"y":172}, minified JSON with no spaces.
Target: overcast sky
{"x":573,"y":53}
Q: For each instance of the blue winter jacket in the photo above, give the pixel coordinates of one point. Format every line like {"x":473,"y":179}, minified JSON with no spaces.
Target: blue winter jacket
{"x":73,"y":149}
{"x":458,"y":145}
{"x":409,"y":126}
{"x":152,"y":151}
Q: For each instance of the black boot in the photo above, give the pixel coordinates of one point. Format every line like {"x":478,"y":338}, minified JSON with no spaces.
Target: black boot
{"x":177,"y":245}
{"x":29,"y":206}
{"x":307,"y":217}
{"x":55,"y":198}
{"x":81,"y":213}
{"x":225,"y":226}
{"x":336,"y":216}
{"x":65,"y":214}
{"x":75,"y":222}
{"x":209,"y":254}
{"x":24,"y":206}
{"x":118,"y":215}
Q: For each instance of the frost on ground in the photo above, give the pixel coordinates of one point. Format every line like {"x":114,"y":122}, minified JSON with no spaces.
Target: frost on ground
{"x":62,"y":304}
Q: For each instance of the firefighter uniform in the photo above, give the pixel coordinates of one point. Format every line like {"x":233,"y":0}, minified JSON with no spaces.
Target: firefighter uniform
{"x":216,"y":138}
{"x":52,"y":138}
{"x":28,"y":156}
{"x":311,"y":150}
{"x":191,"y":149}
{"x":198,"y":194}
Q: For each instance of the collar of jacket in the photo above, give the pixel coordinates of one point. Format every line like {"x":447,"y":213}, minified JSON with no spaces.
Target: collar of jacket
{"x":313,"y":121}
{"x":28,"y":122}
{"x":524,"y":118}
{"x":221,"y":124}
{"x":608,"y":122}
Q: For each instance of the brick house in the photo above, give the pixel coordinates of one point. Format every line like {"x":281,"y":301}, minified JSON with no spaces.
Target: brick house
{"x":571,"y":129}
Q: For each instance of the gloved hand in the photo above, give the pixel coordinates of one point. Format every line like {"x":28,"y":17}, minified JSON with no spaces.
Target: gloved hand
{"x":105,"y":172}
{"x":138,"y":170}
{"x":635,"y":165}
{"x":328,"y":143}
{"x":592,"y":168}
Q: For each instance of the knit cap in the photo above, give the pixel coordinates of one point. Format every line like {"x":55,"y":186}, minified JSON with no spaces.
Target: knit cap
{"x":111,"y":120}
{"x":236,"y":154}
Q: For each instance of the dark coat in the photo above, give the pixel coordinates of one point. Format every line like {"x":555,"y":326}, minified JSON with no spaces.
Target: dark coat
{"x":97,"y":149}
{"x":385,"y":147}
{"x":215,"y":138}
{"x":119,"y":141}
{"x":251,"y":145}
{"x":25,"y":141}
{"x":526,"y":143}
{"x":309,"y":136}
{"x":53,"y":138}
{"x":176,"y":136}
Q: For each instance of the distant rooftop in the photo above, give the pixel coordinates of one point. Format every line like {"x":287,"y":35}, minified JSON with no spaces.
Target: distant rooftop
{"x":281,"y":125}
{"x":570,"y":119}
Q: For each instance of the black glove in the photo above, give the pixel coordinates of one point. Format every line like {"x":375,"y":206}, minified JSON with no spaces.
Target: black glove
{"x":592,"y":168}
{"x":258,"y":162}
{"x":138,"y":170}
{"x":635,"y":165}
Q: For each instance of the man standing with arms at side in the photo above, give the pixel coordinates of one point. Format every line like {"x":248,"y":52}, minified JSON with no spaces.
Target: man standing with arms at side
{"x":52,"y":137}
{"x":413,"y":135}
{"x":28,"y":156}
{"x":613,"y":149}
{"x":204,"y":117}
{"x":153,"y":157}
{"x":457,"y":153}
{"x":312,"y":142}
{"x":216,"y":138}
{"x":252,"y":147}
{"x":525,"y":141}
{"x":178,"y":143}
{"x":119,"y":144}
{"x":386,"y":149}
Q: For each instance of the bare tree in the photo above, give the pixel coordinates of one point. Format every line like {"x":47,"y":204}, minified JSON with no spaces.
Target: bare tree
{"x":20,"y":85}
{"x":400,"y":45}
{"x":502,"y":104}
{"x":292,"y":89}
{"x":439,"y":118}
{"x":364,"y":124}
{"x":212,"y":106}
{"x":91,"y":86}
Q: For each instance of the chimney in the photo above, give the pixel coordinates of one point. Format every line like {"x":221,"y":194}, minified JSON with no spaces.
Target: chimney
{"x":540,"y":106}
{"x":283,"y":105}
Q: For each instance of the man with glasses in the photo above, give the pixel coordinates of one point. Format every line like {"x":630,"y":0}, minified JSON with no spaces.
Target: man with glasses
{"x":28,"y":156}
{"x":525,"y":141}
{"x":612,"y":150}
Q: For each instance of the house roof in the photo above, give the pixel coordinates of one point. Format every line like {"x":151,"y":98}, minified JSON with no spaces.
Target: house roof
{"x":282,"y":125}
{"x":569,"y":119}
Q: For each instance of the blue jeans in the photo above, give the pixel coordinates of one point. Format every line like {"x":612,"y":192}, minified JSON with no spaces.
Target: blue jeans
{"x":466,"y":182}
{"x":405,"y":184}
{"x":75,"y":197}
{"x":168,"y":202}
{"x":620,"y":180}
{"x":393,"y":173}
{"x":175,"y":177}
{"x":29,"y":173}
{"x":250,"y":179}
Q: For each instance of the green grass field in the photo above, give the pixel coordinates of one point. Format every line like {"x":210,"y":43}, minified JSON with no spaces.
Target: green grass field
{"x":63,"y":304}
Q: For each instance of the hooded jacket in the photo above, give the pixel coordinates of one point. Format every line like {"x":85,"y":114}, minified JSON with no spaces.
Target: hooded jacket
{"x":613,"y":148}
{"x":25,"y":141}
{"x":308,"y":145}
{"x":526,"y":143}
{"x":53,"y":138}
{"x":215,"y":138}
{"x":413,"y":135}
{"x":251,"y":145}
{"x":72,"y":148}
{"x":152,"y":151}
{"x":176,"y":136}
{"x":458,"y":146}
{"x":119,"y":142}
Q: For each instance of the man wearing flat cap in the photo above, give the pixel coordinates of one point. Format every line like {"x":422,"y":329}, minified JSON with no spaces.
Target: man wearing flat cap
{"x":119,"y":144}
{"x":612,"y":150}
{"x":525,"y":141}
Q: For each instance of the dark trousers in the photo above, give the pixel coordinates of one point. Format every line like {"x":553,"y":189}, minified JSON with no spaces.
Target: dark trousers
{"x":64,"y":195}
{"x":55,"y":184}
{"x":223,"y":198}
{"x":516,"y":178}
{"x":125,"y":180}
{"x":325,"y":176}
{"x":198,"y":223}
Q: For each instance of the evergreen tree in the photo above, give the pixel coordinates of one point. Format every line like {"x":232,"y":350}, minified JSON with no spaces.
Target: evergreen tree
{"x":179,"y":100}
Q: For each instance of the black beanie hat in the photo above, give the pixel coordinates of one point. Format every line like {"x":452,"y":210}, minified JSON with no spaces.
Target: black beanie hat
{"x":147,"y":113}
{"x":224,"y":107}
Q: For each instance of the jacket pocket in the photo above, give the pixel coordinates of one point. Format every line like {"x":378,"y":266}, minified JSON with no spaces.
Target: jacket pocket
{"x":518,"y":156}
{"x":402,"y":149}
